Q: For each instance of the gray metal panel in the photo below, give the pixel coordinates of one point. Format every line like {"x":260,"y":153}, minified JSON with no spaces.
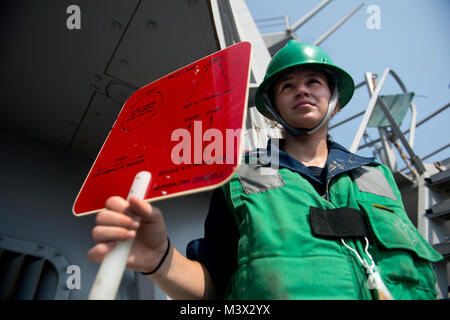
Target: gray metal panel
{"x":143,"y":55}
{"x":51,"y":75}
{"x":47,"y":69}
{"x":95,"y":128}
{"x":163,"y":36}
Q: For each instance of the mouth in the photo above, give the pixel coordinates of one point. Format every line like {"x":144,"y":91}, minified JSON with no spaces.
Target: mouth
{"x":304,"y":104}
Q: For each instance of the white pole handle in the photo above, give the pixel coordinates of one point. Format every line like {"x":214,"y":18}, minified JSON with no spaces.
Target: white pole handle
{"x":111,"y":270}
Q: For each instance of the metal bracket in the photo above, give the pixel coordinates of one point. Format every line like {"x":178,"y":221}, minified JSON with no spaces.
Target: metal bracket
{"x":115,"y":89}
{"x":44,"y":251}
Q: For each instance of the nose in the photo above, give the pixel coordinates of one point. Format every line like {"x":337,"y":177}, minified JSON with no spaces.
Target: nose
{"x":302,"y":90}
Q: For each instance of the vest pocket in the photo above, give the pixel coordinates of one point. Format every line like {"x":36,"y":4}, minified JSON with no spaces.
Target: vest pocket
{"x":395,"y":232}
{"x":403,"y":255}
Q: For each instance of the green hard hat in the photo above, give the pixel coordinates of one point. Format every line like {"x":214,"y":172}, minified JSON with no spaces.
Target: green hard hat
{"x":297,"y":53}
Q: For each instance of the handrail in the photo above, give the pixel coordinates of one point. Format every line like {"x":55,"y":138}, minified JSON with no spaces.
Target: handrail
{"x":270,"y":19}
{"x":375,"y":92}
{"x":406,"y":131}
{"x":436,"y":151}
{"x":396,"y":130}
{"x":363,"y":125}
{"x":412,"y":126}
{"x":359,"y":85}
{"x":430,"y":154}
{"x":430,"y":116}
{"x":346,"y":120}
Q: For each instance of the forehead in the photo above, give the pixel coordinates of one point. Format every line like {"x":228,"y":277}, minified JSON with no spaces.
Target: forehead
{"x":299,"y":72}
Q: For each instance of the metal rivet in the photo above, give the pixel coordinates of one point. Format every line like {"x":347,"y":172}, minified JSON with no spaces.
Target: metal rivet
{"x":116,"y":25}
{"x":40,"y":246}
{"x":151,"y":24}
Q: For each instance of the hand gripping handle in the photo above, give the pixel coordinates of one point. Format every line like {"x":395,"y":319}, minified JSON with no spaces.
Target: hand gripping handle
{"x":111,"y":270}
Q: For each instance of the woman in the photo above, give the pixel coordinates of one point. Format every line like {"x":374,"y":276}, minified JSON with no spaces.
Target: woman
{"x":302,"y":219}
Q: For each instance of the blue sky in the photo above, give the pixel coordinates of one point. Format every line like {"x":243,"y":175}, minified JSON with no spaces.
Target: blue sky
{"x":413,"y":40}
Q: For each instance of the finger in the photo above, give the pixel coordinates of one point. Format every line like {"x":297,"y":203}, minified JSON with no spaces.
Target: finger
{"x":106,"y":234}
{"x":119,"y":204}
{"x":143,"y":209}
{"x":98,"y":252}
{"x":116,"y":203}
{"x":112,"y":218}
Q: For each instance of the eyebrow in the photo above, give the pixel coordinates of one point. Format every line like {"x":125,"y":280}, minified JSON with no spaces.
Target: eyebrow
{"x":289,"y":76}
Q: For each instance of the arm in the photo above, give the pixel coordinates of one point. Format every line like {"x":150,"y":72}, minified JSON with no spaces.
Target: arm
{"x":182,"y":278}
{"x":178,"y":276}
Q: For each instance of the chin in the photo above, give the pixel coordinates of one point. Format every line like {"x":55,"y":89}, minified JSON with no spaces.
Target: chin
{"x":304,"y":124}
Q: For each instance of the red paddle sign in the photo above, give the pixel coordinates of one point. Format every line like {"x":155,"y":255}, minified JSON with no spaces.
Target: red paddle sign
{"x":185,"y":129}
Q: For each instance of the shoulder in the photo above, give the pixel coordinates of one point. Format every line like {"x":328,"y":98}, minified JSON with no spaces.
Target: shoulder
{"x":256,"y":173}
{"x":377,"y":179}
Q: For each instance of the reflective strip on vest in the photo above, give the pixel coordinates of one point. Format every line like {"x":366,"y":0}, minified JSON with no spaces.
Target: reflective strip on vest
{"x":372,"y":180}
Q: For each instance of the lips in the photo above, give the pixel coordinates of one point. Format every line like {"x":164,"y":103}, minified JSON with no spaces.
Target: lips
{"x":303,"y":104}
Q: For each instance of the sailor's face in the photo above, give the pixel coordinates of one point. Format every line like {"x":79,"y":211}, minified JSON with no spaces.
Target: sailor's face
{"x":301,"y":96}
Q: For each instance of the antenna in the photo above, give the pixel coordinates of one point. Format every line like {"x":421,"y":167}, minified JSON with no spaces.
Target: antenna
{"x":337,"y":25}
{"x":275,"y":41}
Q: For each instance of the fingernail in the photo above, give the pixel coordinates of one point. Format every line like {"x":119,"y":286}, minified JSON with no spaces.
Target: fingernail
{"x":135,"y":224}
{"x":131,"y":234}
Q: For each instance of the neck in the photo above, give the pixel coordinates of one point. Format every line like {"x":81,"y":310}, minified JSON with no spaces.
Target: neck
{"x":311,"y":150}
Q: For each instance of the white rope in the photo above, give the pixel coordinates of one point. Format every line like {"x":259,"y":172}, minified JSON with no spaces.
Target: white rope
{"x":363,"y":262}
{"x":374,"y":281}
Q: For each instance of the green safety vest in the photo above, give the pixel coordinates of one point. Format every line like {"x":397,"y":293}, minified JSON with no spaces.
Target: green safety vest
{"x":280,"y":258}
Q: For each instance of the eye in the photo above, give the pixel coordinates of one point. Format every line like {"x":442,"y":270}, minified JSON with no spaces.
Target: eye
{"x":286,"y":85}
{"x":314,"y":81}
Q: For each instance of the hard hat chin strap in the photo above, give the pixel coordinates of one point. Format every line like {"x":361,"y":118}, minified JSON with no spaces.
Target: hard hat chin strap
{"x":300,"y":131}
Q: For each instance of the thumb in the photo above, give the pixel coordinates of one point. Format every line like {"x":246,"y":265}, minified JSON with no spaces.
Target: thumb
{"x":144,"y":210}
